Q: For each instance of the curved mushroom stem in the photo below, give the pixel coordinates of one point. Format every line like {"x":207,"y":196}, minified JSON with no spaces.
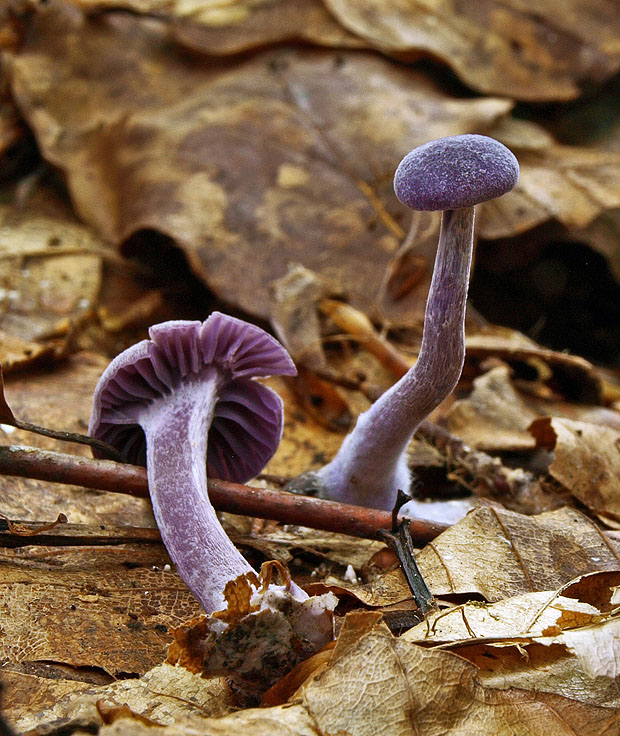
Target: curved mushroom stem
{"x":379,"y":440}
{"x":176,"y":428}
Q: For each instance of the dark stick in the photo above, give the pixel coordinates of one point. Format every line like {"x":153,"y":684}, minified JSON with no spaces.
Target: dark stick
{"x":74,"y":535}
{"x":235,"y":498}
{"x":401,"y":541}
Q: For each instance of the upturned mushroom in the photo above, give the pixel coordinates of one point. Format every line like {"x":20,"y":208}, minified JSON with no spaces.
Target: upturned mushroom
{"x":451,"y":175}
{"x":159,"y":401}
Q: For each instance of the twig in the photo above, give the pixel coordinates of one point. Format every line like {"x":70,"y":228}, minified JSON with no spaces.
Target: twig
{"x":235,"y":498}
{"x":401,"y":541}
{"x":74,"y":535}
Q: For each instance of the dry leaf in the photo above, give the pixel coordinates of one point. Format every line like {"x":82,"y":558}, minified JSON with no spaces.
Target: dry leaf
{"x":51,"y":270}
{"x":82,"y":611}
{"x":164,"y":694}
{"x":586,"y":461}
{"x":573,"y":377}
{"x":493,"y":417}
{"x":289,"y":154}
{"x":233,"y":27}
{"x":16,"y":353}
{"x":509,"y":643}
{"x":499,"y":554}
{"x":567,"y":183}
{"x":518,"y":49}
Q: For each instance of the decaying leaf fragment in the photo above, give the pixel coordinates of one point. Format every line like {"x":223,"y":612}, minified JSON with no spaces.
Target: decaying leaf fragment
{"x":262,"y":634}
{"x":586,"y":461}
{"x":50,"y":270}
{"x":163,"y":694}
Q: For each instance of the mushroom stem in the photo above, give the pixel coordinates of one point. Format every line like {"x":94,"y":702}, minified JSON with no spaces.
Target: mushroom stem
{"x":176,"y":429}
{"x":381,"y":435}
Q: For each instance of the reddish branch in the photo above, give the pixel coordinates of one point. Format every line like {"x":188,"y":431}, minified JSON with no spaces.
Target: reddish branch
{"x":235,"y":498}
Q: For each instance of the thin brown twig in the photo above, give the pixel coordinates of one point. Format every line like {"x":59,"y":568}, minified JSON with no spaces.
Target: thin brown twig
{"x":235,"y":498}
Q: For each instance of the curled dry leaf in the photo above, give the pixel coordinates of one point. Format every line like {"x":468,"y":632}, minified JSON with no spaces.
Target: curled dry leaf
{"x":234,"y":27}
{"x":16,"y":353}
{"x":259,"y":155}
{"x":573,"y":377}
{"x":523,"y":50}
{"x":562,"y":642}
{"x":586,"y":461}
{"x":566,"y":183}
{"x":164,"y":693}
{"x":522,"y":617}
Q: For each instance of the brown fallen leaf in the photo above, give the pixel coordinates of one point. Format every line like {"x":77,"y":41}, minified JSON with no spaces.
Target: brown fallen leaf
{"x":571,"y":184}
{"x":16,"y":353}
{"x":493,"y":417}
{"x":569,"y":376}
{"x":555,"y":642}
{"x":106,"y":610}
{"x":51,"y":270}
{"x":498,"y":553}
{"x":523,"y":617}
{"x":257,"y":155}
{"x":586,"y":461}
{"x":238,"y":26}
{"x":518,"y":49}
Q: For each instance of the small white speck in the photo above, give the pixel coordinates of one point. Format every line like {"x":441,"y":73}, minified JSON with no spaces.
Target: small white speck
{"x":595,"y":559}
{"x":83,"y":304}
{"x":447,"y":556}
{"x":7,"y":429}
{"x":167,"y":568}
{"x":350,"y":575}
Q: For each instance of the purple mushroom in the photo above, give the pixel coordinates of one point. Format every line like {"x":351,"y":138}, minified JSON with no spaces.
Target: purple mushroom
{"x":157,"y":403}
{"x":452,"y":175}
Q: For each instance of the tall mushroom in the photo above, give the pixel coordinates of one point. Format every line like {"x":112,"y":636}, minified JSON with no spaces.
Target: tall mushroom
{"x":157,"y":403}
{"x":451,"y":175}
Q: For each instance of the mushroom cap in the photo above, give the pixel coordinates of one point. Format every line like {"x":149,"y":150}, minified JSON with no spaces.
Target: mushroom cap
{"x":247,"y":422}
{"x":454,"y":172}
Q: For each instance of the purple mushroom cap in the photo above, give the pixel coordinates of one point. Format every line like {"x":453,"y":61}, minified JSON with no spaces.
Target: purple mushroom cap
{"x":454,"y":172}
{"x":247,"y":423}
